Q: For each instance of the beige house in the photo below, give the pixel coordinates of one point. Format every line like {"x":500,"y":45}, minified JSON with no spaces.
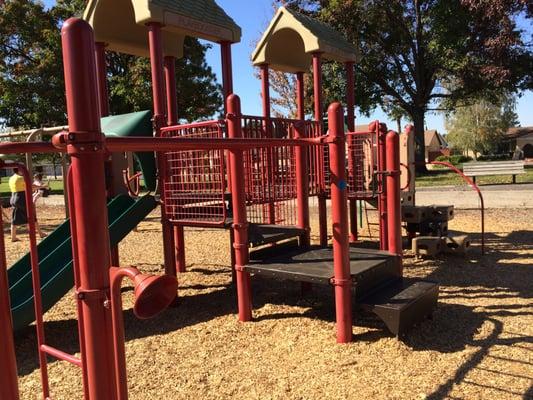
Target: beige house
{"x":521,"y":137}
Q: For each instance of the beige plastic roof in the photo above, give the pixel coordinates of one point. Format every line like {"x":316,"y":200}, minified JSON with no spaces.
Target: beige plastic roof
{"x":121,"y":23}
{"x":291,"y":38}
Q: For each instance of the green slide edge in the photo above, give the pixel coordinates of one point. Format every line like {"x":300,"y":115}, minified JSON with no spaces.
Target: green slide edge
{"x":55,"y":259}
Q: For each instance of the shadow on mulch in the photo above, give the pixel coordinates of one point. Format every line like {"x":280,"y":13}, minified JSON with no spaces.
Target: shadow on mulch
{"x":453,"y":327}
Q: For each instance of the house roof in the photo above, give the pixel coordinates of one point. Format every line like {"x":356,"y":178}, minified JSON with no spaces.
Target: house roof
{"x":432,"y":135}
{"x":121,"y":23}
{"x":291,"y":39}
{"x":516,"y":132}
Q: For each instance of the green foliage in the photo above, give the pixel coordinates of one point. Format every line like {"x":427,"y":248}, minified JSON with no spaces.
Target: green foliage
{"x":411,"y":49}
{"x":494,"y":157}
{"x":480,"y":127}
{"x":456,"y":159}
{"x":31,"y":73}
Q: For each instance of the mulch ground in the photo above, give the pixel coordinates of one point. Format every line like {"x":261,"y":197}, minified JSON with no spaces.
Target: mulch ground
{"x":479,"y":344}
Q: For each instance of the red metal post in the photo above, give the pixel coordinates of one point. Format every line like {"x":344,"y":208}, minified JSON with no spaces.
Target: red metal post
{"x":240,"y":222}
{"x":300,"y":96}
{"x":317,"y":89}
{"x":172,"y":119}
{"x":350,"y":114}
{"x":8,"y":363}
{"x":101,"y":76}
{"x":302,"y":186}
{"x":227,"y":73}
{"x":88,"y":195}
{"x":103,"y":103}
{"x":382,"y":188}
{"x":156,"y":64}
{"x":339,"y":215}
{"x":394,"y":219}
{"x":265,"y":94}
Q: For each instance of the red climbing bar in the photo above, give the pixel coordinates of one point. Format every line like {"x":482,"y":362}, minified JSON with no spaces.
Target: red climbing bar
{"x":8,"y":362}
{"x":394,"y":218}
{"x":339,"y":217}
{"x":300,"y":96}
{"x":240,"y":222}
{"x":89,"y":212}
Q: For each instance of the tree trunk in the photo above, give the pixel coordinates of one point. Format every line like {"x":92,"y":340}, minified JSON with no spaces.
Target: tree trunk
{"x":420,"y":149}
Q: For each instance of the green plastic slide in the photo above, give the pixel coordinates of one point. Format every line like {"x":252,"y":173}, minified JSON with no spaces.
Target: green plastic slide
{"x":55,"y":259}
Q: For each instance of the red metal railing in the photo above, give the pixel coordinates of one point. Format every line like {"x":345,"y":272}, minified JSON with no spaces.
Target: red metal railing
{"x":475,"y":188}
{"x":361,"y":165}
{"x":195,"y":185}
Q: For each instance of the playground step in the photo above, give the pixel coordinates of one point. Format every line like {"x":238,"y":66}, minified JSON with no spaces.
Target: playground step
{"x":402,"y":303}
{"x":264,"y":234}
{"x":369,"y":268}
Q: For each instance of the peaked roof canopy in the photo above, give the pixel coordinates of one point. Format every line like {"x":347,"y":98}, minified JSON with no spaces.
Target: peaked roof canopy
{"x":291,"y":38}
{"x":121,"y":23}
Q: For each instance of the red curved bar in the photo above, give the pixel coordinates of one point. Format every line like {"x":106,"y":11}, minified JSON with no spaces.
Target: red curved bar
{"x":476,"y":188}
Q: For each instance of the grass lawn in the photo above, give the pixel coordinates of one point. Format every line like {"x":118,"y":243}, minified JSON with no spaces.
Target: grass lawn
{"x":442,"y":177}
{"x":55,"y":185}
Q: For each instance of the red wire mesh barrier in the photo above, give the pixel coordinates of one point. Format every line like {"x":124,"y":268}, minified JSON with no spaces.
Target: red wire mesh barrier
{"x":360,"y":149}
{"x":195,"y":183}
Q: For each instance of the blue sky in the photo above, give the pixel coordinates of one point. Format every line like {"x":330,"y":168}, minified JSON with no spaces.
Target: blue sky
{"x":253,"y":17}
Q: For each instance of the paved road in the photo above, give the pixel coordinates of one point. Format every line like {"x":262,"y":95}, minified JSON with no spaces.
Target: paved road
{"x":495,"y":196}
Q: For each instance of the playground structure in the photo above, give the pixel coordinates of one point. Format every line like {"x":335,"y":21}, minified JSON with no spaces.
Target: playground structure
{"x":253,"y":175}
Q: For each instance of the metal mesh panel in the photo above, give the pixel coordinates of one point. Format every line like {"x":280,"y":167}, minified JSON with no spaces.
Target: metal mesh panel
{"x":195,"y":183}
{"x":360,"y":149}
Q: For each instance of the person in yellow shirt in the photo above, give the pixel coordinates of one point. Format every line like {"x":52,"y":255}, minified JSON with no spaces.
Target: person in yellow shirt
{"x":19,"y":215}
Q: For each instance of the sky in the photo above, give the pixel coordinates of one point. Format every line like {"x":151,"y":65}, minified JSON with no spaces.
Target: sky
{"x":253,"y":17}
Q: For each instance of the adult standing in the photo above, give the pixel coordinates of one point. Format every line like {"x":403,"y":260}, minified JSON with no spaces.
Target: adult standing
{"x":19,"y":215}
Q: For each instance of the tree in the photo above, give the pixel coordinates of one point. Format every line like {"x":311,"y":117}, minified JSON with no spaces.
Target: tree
{"x":410,"y":49}
{"x":480,"y":127}
{"x":31,"y":78}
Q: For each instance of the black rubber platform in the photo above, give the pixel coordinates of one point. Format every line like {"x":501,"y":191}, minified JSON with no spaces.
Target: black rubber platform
{"x":264,"y":234}
{"x":315,"y":264}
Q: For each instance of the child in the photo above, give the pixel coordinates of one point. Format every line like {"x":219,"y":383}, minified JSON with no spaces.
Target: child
{"x":40,"y":189}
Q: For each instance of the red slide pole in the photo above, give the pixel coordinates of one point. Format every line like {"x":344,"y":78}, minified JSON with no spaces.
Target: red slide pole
{"x":339,"y":215}
{"x":394,"y":219}
{"x":240,"y":222}
{"x":85,"y":147}
{"x":302,"y":186}
{"x":8,"y":363}
{"x":158,"y":90}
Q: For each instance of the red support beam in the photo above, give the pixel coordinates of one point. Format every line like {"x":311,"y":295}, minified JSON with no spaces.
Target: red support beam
{"x":342,"y":280}
{"x":350,"y":115}
{"x":158,"y":93}
{"x":394,"y":219}
{"x":382,"y":188}
{"x":265,"y":95}
{"x":300,"y":96}
{"x":227,"y":72}
{"x":302,"y":186}
{"x":103,"y":103}
{"x":240,"y":222}
{"x":8,"y":362}
{"x":172,"y":119}
{"x":317,"y":90}
{"x":90,"y":214}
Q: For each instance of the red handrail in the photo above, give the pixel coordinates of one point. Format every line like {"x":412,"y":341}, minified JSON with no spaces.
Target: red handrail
{"x":475,"y":187}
